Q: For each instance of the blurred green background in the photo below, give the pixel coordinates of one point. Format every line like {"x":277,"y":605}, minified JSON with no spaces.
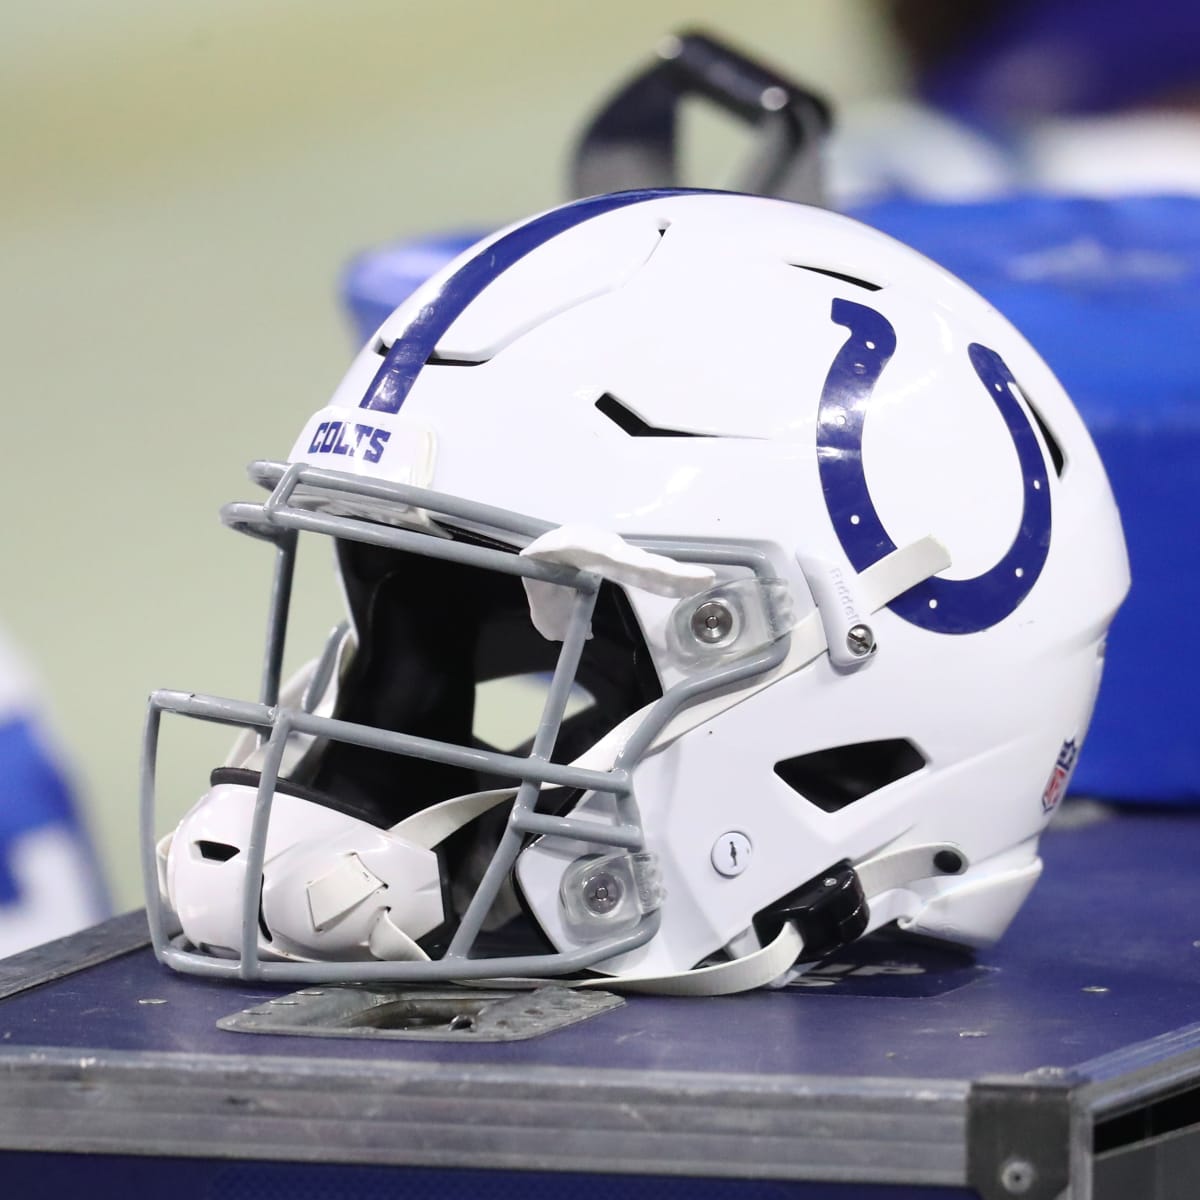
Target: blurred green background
{"x":182,"y":187}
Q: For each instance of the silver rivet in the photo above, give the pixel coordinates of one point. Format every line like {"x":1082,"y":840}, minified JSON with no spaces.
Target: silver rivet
{"x":712,"y":622}
{"x":1017,"y":1176}
{"x":602,"y":892}
{"x":773,"y":98}
{"x":860,"y":641}
{"x":670,"y":47}
{"x":731,"y":852}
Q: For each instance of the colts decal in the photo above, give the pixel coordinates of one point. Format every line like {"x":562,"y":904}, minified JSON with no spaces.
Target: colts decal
{"x":939,"y":605}
{"x":351,"y":439}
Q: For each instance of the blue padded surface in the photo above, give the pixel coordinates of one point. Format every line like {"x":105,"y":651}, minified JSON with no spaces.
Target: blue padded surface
{"x":1103,"y":956}
{"x":1108,"y":292}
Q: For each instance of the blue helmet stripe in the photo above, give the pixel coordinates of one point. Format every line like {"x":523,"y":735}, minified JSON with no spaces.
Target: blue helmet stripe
{"x":412,"y":348}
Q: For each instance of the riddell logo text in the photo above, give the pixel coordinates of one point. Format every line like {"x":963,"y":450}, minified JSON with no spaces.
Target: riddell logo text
{"x":843,"y":593}
{"x":351,"y":439}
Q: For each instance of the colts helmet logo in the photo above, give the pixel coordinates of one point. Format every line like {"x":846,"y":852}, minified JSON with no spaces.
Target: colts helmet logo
{"x":939,"y":605}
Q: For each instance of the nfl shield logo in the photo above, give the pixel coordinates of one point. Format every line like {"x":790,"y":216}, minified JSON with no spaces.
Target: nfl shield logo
{"x":1056,"y":785}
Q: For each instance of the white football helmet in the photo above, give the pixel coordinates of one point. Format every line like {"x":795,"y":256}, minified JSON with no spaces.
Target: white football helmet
{"x":810,"y":532}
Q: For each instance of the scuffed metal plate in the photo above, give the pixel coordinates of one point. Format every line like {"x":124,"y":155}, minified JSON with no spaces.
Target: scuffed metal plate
{"x":429,"y":1015}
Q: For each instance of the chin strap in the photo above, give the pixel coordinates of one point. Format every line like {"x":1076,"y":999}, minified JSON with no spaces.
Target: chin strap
{"x":431,"y":826}
{"x":847,"y":600}
{"x":389,"y":943}
{"x":756,"y":970}
{"x":762,"y":968}
{"x":898,"y":868}
{"x":426,"y":829}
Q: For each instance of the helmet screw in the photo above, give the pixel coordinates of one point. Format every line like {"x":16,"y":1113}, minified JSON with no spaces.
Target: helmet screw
{"x":860,"y":641}
{"x":712,"y":622}
{"x":602,"y":892}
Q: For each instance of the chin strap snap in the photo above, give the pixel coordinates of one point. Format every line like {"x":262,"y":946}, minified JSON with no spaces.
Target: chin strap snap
{"x":846,"y":598}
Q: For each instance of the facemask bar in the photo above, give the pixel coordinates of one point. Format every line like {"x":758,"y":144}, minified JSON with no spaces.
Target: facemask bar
{"x":279,"y":520}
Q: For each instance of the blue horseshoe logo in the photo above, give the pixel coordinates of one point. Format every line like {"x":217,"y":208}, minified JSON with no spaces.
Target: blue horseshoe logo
{"x":939,"y":605}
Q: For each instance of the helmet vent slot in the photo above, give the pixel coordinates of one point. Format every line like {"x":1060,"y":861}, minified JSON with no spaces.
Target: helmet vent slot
{"x":1057,"y":458}
{"x":436,"y":360}
{"x":381,"y":348}
{"x":263,"y":927}
{"x":217,"y":851}
{"x":628,"y":421}
{"x":835,"y":778}
{"x":853,"y":280}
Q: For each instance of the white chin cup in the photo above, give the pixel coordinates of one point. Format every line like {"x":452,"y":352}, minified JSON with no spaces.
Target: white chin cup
{"x":327,"y":878}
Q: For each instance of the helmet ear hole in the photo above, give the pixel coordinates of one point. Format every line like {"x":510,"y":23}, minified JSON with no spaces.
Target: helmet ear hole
{"x":835,"y":778}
